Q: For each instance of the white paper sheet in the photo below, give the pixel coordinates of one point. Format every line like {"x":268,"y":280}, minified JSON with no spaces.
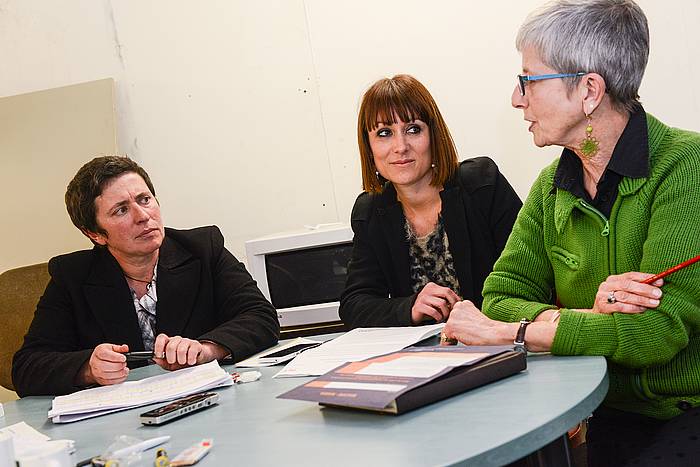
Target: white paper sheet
{"x":26,"y":439}
{"x":358,"y":344}
{"x":24,"y":433}
{"x":106,"y":399}
{"x":414,"y":366}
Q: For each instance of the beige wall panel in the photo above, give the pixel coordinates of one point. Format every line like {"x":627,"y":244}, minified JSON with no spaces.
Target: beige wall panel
{"x":45,"y":137}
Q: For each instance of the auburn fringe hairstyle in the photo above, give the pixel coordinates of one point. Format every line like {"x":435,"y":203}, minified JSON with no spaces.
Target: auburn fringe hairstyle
{"x":403,"y":97}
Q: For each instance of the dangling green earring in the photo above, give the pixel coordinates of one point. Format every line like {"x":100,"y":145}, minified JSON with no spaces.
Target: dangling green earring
{"x":589,"y":144}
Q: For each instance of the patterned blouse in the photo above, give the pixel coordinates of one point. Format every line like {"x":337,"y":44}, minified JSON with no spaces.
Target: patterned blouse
{"x":146,"y":311}
{"x":430,"y":258}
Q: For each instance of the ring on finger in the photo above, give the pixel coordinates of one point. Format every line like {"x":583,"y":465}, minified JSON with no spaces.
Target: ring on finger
{"x":611,"y":298}
{"x":447,"y":340}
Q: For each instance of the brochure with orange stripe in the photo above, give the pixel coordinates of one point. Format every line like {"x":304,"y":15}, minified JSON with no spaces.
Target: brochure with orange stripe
{"x":401,"y":381}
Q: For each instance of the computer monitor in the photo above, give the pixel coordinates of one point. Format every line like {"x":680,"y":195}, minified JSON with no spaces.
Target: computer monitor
{"x":302,"y":272}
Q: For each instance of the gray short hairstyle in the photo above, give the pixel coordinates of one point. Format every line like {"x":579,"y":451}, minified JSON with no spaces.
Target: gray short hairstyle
{"x":608,"y":37}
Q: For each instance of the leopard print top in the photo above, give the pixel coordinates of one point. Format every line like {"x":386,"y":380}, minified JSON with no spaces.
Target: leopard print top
{"x":430,"y":258}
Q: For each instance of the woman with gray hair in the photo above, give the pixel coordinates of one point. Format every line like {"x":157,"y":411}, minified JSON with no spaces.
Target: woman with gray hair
{"x":620,"y":204}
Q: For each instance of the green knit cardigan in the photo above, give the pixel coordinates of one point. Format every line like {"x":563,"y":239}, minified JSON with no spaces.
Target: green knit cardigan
{"x":563,"y":248}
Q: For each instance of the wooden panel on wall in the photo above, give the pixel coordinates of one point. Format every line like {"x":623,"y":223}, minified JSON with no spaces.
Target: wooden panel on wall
{"x":45,"y":137}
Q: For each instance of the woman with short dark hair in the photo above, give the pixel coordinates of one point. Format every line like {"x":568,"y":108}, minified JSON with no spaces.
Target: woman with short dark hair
{"x":178,"y":293}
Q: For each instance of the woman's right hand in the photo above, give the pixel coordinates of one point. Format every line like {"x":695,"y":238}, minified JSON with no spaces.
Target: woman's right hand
{"x":107,"y":365}
{"x":433,"y":301}
{"x":625,"y":293}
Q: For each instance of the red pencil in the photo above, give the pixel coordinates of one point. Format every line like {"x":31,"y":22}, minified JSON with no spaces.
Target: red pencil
{"x":671,"y":270}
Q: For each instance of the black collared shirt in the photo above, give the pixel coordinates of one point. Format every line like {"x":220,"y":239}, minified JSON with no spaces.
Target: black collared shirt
{"x":630,"y":158}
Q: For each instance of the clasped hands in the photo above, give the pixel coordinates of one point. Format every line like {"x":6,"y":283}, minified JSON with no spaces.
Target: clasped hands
{"x":465,"y":322}
{"x":107,"y":364}
{"x":433,"y":301}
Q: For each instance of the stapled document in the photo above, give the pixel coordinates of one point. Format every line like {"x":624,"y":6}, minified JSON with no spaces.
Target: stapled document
{"x":107,"y":399}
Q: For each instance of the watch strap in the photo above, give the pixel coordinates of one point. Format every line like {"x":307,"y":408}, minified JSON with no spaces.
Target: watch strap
{"x":519,"y":341}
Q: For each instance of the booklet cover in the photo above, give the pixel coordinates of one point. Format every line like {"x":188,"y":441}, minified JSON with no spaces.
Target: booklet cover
{"x":404,"y":380}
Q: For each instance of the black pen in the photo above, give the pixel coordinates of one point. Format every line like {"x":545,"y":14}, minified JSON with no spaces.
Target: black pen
{"x":85,"y":462}
{"x":140,"y":355}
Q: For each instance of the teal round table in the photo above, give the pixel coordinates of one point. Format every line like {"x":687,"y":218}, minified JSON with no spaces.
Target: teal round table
{"x":493,"y":425}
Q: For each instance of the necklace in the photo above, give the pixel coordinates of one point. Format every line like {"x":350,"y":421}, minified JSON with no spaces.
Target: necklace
{"x":137,"y":280}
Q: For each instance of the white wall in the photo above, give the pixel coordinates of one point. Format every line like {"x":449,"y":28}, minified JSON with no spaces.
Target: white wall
{"x":244,"y":112}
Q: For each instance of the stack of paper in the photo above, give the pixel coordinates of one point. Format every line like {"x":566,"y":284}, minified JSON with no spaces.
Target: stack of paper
{"x":24,"y":437}
{"x":358,"y":344}
{"x":107,"y":399}
{"x":29,"y":442}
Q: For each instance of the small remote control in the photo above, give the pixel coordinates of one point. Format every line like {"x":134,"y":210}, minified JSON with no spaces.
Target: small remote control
{"x":179,"y":408}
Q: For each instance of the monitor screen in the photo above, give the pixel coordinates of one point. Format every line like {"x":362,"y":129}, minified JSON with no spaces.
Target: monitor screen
{"x":307,"y":276}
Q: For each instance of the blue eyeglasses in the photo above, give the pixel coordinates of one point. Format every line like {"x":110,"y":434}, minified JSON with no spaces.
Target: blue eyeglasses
{"x":523,"y":79}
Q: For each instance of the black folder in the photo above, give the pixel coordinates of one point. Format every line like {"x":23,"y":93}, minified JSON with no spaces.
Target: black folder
{"x":456,"y":381}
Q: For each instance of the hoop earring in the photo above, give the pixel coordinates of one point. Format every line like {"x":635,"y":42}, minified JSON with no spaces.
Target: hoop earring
{"x":589,"y":144}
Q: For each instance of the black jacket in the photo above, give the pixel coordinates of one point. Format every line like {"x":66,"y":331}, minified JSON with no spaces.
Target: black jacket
{"x":479,"y":208}
{"x":204,"y":293}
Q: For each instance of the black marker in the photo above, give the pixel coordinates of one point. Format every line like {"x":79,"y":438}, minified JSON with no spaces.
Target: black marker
{"x":140,"y":355}
{"x":85,"y":462}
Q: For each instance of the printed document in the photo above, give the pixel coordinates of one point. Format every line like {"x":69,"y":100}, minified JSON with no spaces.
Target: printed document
{"x":107,"y":399}
{"x":355,"y":345}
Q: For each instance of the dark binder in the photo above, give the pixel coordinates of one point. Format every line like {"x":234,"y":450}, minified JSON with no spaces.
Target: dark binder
{"x":456,"y":381}
{"x":459,"y":380}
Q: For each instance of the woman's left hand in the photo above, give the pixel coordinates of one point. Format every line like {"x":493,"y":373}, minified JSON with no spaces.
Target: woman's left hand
{"x":470,"y":326}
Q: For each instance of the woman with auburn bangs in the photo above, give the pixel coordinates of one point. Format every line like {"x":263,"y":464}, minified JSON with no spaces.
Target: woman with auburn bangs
{"x":620,"y":204}
{"x":427,"y":229}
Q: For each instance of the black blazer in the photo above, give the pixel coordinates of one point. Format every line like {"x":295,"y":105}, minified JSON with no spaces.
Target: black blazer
{"x":204,"y":293}
{"x":479,"y":208}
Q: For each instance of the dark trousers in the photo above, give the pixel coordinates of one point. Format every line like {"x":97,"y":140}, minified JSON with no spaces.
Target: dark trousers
{"x":617,"y":438}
